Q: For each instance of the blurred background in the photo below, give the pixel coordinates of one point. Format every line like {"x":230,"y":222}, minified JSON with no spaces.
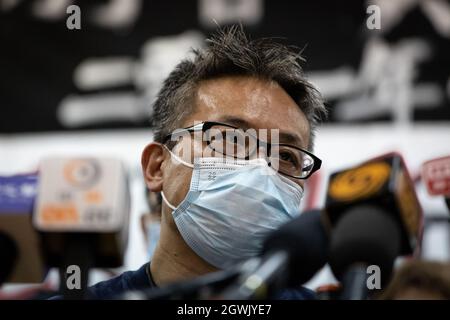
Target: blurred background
{"x":89,"y":91}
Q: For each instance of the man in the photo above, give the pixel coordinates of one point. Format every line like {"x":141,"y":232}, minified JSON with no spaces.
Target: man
{"x":222,"y":196}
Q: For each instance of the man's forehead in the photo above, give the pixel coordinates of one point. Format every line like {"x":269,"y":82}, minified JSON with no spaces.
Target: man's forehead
{"x":248,"y":102}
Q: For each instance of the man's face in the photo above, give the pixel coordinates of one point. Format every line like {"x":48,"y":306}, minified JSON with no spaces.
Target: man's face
{"x":244,"y":102}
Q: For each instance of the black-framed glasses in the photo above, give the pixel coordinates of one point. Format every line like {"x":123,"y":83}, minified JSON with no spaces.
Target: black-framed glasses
{"x":236,"y":143}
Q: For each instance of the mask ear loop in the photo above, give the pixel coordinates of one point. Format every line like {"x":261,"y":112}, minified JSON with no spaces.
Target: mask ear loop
{"x":167,"y":202}
{"x":178,"y":159}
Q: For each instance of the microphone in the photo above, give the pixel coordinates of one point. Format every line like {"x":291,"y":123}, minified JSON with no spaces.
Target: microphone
{"x":365,"y":236}
{"x":82,"y":212}
{"x":21,"y":259}
{"x":383,"y":182}
{"x":436,"y":176}
{"x":382,"y":189}
{"x":291,"y":256}
{"x":8,"y":255}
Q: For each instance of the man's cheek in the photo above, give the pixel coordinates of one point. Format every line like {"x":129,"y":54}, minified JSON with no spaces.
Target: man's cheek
{"x":178,"y":187}
{"x":179,"y":182}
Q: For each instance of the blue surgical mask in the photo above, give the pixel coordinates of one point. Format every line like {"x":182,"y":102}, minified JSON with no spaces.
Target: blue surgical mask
{"x":231,"y":207}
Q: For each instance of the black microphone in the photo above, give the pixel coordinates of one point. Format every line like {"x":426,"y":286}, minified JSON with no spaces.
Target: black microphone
{"x":8,"y":256}
{"x":291,"y":256}
{"x":365,"y":236}
{"x":373,"y":209}
{"x":383,"y":182}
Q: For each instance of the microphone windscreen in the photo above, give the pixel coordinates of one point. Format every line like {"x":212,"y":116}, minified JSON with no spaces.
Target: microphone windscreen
{"x":366,"y":235}
{"x":306,"y":242}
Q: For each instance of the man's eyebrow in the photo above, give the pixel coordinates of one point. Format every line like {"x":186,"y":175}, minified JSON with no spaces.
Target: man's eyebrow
{"x":284,"y":137}
{"x":236,"y":122}
{"x":290,"y":138}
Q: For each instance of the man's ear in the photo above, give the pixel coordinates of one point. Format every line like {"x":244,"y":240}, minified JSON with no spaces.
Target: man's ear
{"x":151,"y":161}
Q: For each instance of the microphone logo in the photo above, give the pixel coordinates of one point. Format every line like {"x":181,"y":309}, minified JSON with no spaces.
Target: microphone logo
{"x":82,"y":173}
{"x":360,"y":182}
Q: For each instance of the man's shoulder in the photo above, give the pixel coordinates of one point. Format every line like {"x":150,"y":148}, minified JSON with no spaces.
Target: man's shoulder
{"x":127,"y":281}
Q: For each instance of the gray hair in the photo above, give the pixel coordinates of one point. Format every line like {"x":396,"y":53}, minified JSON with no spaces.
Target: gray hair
{"x":231,"y":52}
